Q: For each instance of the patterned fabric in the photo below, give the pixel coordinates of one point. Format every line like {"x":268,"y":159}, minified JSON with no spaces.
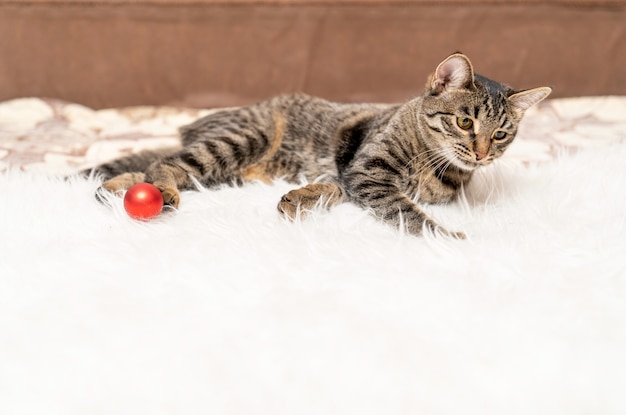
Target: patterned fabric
{"x":57,"y":137}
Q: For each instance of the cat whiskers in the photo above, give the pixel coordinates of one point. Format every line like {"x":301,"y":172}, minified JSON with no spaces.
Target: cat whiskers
{"x":438,"y":158}
{"x":415,"y":161}
{"x":443,"y":165}
{"x":418,"y":157}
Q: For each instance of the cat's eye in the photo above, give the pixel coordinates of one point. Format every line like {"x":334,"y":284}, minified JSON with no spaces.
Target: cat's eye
{"x":499,"y":135}
{"x":464,"y":123}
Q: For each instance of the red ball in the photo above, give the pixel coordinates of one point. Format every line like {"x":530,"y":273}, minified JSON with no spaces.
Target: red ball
{"x":143,"y":201}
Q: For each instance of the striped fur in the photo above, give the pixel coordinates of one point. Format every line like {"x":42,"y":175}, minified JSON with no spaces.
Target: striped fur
{"x":384,"y":158}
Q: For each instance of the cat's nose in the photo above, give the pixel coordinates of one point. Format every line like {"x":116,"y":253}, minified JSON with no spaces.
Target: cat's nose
{"x":480,"y":155}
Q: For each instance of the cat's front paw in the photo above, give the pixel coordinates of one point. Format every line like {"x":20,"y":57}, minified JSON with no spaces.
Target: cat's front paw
{"x":298,"y":202}
{"x":437,"y":230}
{"x":455,"y":235}
{"x":290,"y":207}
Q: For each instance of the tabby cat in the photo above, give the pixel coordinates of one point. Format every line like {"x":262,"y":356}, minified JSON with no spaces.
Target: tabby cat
{"x":385,"y":158}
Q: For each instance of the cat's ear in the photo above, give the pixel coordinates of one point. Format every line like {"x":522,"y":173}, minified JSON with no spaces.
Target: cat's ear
{"x":523,"y":100}
{"x":454,"y":73}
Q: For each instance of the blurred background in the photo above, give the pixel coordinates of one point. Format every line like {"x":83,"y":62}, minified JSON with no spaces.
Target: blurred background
{"x":211,"y":53}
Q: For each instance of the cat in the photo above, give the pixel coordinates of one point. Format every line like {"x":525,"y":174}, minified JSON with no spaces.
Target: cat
{"x":385,"y":158}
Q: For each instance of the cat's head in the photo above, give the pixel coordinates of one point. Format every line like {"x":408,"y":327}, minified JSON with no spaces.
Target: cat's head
{"x":468,"y":120}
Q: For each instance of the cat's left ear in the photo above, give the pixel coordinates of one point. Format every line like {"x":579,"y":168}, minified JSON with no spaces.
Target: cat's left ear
{"x":454,"y":73}
{"x":523,"y":100}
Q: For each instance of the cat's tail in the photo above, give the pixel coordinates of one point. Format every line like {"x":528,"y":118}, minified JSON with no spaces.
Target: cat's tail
{"x":137,"y":162}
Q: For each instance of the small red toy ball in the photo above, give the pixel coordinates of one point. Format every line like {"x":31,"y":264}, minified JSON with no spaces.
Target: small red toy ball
{"x":143,"y":201}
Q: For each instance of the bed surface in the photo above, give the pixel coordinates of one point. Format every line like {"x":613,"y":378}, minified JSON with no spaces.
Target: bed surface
{"x":223,"y":308}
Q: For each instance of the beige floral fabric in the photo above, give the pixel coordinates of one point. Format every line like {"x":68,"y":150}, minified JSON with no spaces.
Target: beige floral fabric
{"x":58,"y":137}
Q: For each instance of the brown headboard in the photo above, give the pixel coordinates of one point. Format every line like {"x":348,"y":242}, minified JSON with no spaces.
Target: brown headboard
{"x":206,"y":53}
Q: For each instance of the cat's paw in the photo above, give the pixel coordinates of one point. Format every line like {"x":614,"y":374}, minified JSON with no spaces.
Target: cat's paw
{"x":119,"y":184}
{"x":299,"y":202}
{"x":290,"y":206}
{"x":456,"y":235}
{"x":102,"y":196}
{"x":112,"y":186}
{"x":171,"y":196}
{"x":438,"y":230}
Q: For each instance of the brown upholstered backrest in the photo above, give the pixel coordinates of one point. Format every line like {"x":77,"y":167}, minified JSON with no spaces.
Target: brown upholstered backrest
{"x":207,"y":53}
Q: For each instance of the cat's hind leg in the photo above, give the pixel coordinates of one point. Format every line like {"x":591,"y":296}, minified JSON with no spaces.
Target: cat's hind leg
{"x":135,"y":162}
{"x":122,"y":173}
{"x":299,"y":202}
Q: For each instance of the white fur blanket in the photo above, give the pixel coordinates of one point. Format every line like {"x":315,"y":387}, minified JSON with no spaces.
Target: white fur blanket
{"x":222,"y":308}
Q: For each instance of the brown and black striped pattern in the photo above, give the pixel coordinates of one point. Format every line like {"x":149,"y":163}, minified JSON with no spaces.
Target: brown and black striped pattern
{"x":384,"y":158}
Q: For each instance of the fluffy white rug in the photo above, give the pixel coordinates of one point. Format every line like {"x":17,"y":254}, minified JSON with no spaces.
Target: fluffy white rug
{"x":222,"y":308}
